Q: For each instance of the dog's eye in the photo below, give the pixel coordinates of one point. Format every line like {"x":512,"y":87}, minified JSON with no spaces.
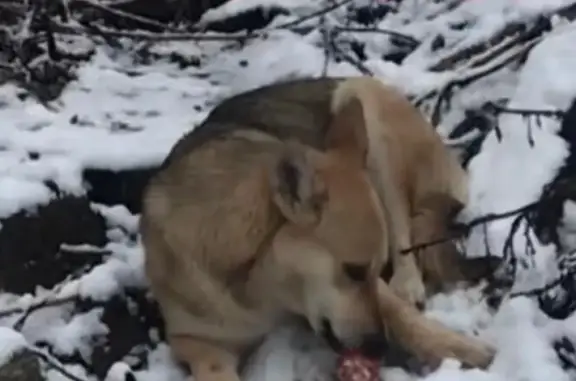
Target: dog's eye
{"x":357,"y":273}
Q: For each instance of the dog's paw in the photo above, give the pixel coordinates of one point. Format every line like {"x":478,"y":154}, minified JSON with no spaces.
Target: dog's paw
{"x":480,"y":356}
{"x":409,"y":286}
{"x":436,"y":343}
{"x":472,"y":352}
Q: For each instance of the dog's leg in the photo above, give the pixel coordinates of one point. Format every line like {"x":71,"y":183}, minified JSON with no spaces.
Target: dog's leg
{"x":440,"y":264}
{"x":406,"y":278}
{"x":207,"y":361}
{"x":427,"y":339}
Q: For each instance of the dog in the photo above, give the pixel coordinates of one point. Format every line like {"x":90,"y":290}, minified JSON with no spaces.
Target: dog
{"x":282,"y":203}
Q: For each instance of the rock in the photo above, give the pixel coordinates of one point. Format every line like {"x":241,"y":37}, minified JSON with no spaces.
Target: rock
{"x":23,"y":366}
{"x":30,"y":243}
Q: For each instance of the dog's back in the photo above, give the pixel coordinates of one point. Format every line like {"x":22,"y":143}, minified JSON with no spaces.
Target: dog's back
{"x":209,"y":207}
{"x":298,"y":110}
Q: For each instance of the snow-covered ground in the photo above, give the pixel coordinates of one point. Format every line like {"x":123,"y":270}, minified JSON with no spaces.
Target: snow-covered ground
{"x":121,"y":113}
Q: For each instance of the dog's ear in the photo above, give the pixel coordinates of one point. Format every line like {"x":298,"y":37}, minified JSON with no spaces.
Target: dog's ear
{"x":297,"y":187}
{"x":347,"y":131}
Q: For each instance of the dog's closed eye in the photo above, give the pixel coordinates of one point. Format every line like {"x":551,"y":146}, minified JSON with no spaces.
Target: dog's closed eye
{"x":356,"y":272}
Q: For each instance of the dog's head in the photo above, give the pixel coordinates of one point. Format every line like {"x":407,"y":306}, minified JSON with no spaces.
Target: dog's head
{"x":335,"y":228}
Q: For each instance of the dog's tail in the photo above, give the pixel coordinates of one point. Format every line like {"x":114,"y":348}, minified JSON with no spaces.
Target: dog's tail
{"x":366,"y":91}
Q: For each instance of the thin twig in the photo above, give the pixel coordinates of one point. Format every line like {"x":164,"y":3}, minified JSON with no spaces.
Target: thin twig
{"x":180,"y":36}
{"x":53,"y":363}
{"x":140,"y":35}
{"x":493,"y":50}
{"x":404,"y":37}
{"x":346,"y":57}
{"x":464,"y":229}
{"x":325,"y":35}
{"x":83,"y":250}
{"x":129,"y":16}
{"x":537,"y":291}
{"x":313,"y":15}
{"x":474,"y":74}
{"x":57,"y":302}
{"x":527,"y":112}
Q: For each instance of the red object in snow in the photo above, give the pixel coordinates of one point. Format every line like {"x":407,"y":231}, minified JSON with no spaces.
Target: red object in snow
{"x":353,"y":366}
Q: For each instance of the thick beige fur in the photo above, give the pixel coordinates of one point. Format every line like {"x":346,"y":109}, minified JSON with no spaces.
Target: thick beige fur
{"x":408,"y":163}
{"x":258,"y":215}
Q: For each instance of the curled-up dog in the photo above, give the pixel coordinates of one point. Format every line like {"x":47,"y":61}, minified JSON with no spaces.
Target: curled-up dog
{"x":279,"y":205}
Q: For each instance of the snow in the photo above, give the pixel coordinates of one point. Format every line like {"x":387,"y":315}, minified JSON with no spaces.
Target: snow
{"x":493,"y":189}
{"x":75,"y":370}
{"x":118,"y":216}
{"x":76,"y":334}
{"x":161,"y":366}
{"x":11,"y":342}
{"x":297,"y":7}
{"x":17,"y":194}
{"x":125,"y":113}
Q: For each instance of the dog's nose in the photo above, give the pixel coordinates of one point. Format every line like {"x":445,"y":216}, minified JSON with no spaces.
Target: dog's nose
{"x":374,"y":346}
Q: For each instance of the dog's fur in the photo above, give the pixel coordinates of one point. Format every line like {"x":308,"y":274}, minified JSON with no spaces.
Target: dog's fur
{"x":265,"y":209}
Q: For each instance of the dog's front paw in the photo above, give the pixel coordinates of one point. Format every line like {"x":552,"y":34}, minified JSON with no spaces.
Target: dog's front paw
{"x":409,"y":286}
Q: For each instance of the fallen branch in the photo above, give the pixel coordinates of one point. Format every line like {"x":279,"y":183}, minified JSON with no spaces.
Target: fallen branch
{"x":180,"y":36}
{"x":409,"y":40}
{"x":471,"y":75}
{"x":325,"y":44}
{"x":313,"y":15}
{"x":339,"y":53}
{"x":464,"y":229}
{"x":477,"y":54}
{"x":126,"y":15}
{"x":56,"y":302}
{"x":528,"y":112}
{"x":149,"y":36}
{"x":540,"y":290}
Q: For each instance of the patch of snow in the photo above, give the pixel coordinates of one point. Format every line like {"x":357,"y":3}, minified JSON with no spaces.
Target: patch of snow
{"x":291,"y":353}
{"x":493,"y":188}
{"x":75,"y":370}
{"x":235,"y":7}
{"x":118,"y":372}
{"x":118,"y":216}
{"x":161,"y":366}
{"x":77,"y":334}
{"x":108,"y":118}
{"x":524,"y":352}
{"x":296,"y":58}
{"x":124,"y":269}
{"x":11,"y":342}
{"x":17,"y":194}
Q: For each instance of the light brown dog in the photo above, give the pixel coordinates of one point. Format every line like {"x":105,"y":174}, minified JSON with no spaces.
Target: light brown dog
{"x":279,"y":203}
